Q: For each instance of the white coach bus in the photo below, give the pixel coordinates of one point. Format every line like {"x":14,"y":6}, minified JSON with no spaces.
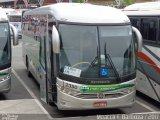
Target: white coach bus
{"x":5,"y":51}
{"x":146,"y":18}
{"x":14,"y":16}
{"x":82,"y":55}
{"x":15,"y":19}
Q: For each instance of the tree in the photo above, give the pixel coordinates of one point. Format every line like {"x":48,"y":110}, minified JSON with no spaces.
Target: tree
{"x":128,"y":2}
{"x":122,"y":3}
{"x":33,"y":1}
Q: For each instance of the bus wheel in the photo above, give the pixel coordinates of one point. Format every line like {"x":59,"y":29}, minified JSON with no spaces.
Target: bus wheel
{"x":27,"y":65}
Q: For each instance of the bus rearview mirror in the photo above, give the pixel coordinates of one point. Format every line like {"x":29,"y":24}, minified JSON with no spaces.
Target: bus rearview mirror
{"x":14,"y":35}
{"x":55,"y":40}
{"x":138,"y":38}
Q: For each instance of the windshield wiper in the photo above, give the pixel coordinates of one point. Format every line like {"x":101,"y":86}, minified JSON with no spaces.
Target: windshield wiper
{"x":107,"y":57}
{"x":96,"y":59}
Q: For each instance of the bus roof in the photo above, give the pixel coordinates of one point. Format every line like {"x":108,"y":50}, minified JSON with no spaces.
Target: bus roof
{"x":15,"y":14}
{"x":8,"y":10}
{"x":143,"y":13}
{"x":3,"y":16}
{"x":81,"y":13}
{"x":144,"y":6}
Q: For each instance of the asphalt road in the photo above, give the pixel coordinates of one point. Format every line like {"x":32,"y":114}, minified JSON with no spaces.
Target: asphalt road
{"x":25,"y":90}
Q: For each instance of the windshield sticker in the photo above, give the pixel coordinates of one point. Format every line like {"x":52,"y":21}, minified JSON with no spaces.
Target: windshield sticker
{"x":72,"y":71}
{"x":104,"y":72}
{"x":104,"y":88}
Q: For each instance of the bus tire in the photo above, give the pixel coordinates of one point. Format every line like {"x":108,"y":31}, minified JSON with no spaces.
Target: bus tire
{"x":27,"y":65}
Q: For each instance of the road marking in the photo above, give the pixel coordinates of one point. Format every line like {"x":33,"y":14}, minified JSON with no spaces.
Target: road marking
{"x":145,"y":106}
{"x":158,"y":112}
{"x":20,"y":106}
{"x":31,"y":93}
{"x":19,"y":45}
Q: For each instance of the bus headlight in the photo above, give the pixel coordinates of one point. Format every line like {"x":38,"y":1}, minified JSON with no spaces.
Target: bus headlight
{"x":70,"y":91}
{"x":6,"y":77}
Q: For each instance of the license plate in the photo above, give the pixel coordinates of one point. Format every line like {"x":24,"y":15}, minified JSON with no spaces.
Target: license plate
{"x":99,"y":104}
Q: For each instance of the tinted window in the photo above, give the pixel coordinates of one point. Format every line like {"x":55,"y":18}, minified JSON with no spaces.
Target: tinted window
{"x":135,"y":22}
{"x":149,"y":29}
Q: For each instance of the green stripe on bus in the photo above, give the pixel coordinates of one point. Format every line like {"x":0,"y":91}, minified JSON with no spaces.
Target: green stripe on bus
{"x":2,"y":74}
{"x":103,"y":88}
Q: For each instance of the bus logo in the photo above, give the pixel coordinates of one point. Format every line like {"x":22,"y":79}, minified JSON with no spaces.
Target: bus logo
{"x":101,"y":95}
{"x":84,"y":88}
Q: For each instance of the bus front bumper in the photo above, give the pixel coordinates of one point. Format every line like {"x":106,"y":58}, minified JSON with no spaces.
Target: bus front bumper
{"x":68,"y":102}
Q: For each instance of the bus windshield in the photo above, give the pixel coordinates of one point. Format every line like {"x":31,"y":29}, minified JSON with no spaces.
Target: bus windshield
{"x":85,"y":50}
{"x":5,"y":55}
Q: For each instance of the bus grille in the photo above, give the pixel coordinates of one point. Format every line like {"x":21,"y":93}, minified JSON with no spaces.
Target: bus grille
{"x":97,"y":96}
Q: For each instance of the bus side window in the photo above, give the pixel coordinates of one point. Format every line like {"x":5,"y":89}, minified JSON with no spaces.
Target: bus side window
{"x":149,"y":30}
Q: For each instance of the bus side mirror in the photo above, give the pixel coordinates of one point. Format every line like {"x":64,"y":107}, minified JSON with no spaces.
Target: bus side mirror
{"x":55,"y":40}
{"x":138,"y":39}
{"x":14,"y":35}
